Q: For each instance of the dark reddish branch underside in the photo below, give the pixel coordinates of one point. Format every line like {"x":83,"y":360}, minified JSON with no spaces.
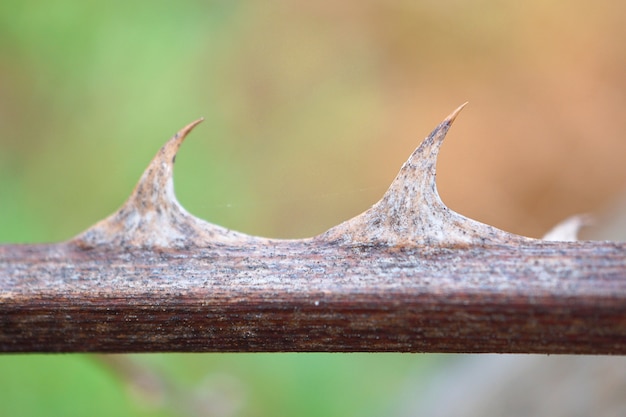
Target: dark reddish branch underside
{"x":314,"y":296}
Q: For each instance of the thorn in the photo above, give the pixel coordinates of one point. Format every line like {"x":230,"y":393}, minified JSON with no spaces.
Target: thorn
{"x":411,"y":212}
{"x":152,"y":216}
{"x":568,"y":229}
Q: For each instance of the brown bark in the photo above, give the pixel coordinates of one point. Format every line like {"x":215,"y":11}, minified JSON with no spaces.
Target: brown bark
{"x":314,"y":296}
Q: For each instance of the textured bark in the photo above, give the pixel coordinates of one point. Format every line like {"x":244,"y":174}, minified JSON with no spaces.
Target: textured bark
{"x":407,"y":275}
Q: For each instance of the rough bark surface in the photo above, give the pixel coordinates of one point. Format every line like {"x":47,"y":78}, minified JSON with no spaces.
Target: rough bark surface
{"x":407,"y":275}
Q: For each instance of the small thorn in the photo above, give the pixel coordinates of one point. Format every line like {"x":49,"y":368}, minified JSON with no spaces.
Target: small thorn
{"x":567,"y":230}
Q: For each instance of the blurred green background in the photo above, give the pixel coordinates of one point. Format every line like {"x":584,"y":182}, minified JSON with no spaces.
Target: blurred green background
{"x":310,"y":109}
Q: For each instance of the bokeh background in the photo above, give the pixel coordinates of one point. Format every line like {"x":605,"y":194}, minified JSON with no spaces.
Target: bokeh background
{"x":310,"y":109}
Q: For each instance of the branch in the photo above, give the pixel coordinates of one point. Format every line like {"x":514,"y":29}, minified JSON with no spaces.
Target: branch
{"x":407,"y":275}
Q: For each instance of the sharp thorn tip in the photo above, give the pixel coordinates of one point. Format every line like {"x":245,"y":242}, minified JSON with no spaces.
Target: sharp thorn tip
{"x":455,"y":113}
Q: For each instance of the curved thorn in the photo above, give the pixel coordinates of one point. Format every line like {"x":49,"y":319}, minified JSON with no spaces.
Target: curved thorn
{"x":156,"y":185}
{"x":411,"y":211}
{"x":152,"y":216}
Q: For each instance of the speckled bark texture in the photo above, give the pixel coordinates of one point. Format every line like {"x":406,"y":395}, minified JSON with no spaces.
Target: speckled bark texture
{"x":407,"y":275}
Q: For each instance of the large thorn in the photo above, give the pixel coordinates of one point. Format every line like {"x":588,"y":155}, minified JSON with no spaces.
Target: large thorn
{"x":411,"y":211}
